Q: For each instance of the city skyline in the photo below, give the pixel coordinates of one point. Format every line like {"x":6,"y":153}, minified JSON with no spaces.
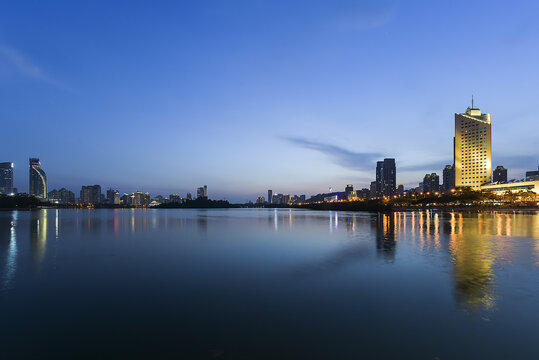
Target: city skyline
{"x":297,"y":103}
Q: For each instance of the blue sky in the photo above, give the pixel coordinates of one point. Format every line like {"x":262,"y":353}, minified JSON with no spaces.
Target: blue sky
{"x":243,"y":96}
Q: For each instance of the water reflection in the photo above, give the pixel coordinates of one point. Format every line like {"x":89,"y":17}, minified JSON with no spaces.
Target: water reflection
{"x":472,"y":245}
{"x":38,"y":236}
{"x":473,"y":260}
{"x":386,"y":235}
{"x":8,"y":246}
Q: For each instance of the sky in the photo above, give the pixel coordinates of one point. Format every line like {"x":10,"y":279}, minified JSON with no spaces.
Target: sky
{"x":250,"y":95}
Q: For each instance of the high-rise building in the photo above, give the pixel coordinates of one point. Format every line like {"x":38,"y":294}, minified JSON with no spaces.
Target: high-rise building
{"x":472,"y":148}
{"x":285,"y":199}
{"x":174,"y":198}
{"x":532,"y":175}
{"x":379,"y":178}
{"x":202,"y":192}
{"x":111,"y":196}
{"x":147,"y":199}
{"x":260,"y":200}
{"x":6,"y":178}
{"x":270,"y":195}
{"x":277,"y":199}
{"x":348,"y":190}
{"x":90,"y":194}
{"x":62,"y":196}
{"x":448,"y":177}
{"x":400,"y":190}
{"x":386,"y":178}
{"x":126,"y":199}
{"x":373,"y":189}
{"x":137,"y":198}
{"x":499,"y":175}
{"x":189,"y":196}
{"x":116,"y":200}
{"x":38,"y":179}
{"x":431,"y":183}
{"x":390,"y":177}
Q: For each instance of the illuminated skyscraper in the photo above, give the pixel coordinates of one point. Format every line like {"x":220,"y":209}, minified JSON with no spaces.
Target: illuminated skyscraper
{"x":38,"y":179}
{"x":472,"y":149}
{"x":6,"y":178}
{"x":270,"y":195}
{"x":348,"y":190}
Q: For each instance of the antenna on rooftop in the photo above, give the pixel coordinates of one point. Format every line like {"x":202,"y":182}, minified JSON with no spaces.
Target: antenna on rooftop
{"x":472,"y":102}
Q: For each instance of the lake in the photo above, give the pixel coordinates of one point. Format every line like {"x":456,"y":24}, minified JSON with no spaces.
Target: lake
{"x":268,"y":284}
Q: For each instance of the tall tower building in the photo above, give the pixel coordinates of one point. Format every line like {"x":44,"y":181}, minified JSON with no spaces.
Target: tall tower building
{"x":38,"y":179}
{"x":472,"y":153}
{"x":270,"y":196}
{"x":390,"y":177}
{"x":448,"y":178}
{"x":379,"y":178}
{"x":6,"y":178}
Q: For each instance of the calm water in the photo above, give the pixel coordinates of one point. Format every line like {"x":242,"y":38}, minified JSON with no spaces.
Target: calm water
{"x":261,"y":284}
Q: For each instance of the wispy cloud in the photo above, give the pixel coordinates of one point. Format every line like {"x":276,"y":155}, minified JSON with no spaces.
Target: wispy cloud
{"x":26,"y":67}
{"x":427,"y":167}
{"x":344,"y":157}
{"x":526,"y":162}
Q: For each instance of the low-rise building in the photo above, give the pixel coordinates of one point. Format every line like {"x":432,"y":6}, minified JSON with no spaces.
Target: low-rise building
{"x":516,"y":186}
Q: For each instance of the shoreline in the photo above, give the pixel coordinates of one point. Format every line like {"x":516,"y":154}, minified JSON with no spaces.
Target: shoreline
{"x":320,"y":207}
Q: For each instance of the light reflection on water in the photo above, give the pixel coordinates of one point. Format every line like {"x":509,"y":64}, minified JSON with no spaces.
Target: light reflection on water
{"x":487,"y":262}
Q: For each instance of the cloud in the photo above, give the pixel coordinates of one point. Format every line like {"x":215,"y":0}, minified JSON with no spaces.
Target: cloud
{"x":343,"y":157}
{"x":429,"y":167}
{"x":25,"y":67}
{"x":526,"y":162}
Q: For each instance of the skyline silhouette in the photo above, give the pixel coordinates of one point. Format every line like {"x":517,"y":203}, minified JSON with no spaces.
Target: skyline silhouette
{"x":249,"y":96}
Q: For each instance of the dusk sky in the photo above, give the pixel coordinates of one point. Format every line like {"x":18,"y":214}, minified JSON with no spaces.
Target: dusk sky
{"x":244,"y":96}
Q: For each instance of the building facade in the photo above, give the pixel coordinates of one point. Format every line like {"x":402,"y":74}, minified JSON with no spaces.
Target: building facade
{"x":514,"y":187}
{"x":472,"y":149}
{"x":6,"y":178}
{"x":499,"y":175}
{"x":372,"y":189}
{"x":90,"y":194}
{"x":386,"y":178}
{"x":270,"y":195}
{"x":448,"y":178}
{"x":348,"y":190}
{"x":379,"y":178}
{"x":62,"y":196}
{"x":38,"y":184}
{"x":431,"y":183}
{"x":111,"y":196}
{"x":390,"y":178}
{"x":532,"y":175}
